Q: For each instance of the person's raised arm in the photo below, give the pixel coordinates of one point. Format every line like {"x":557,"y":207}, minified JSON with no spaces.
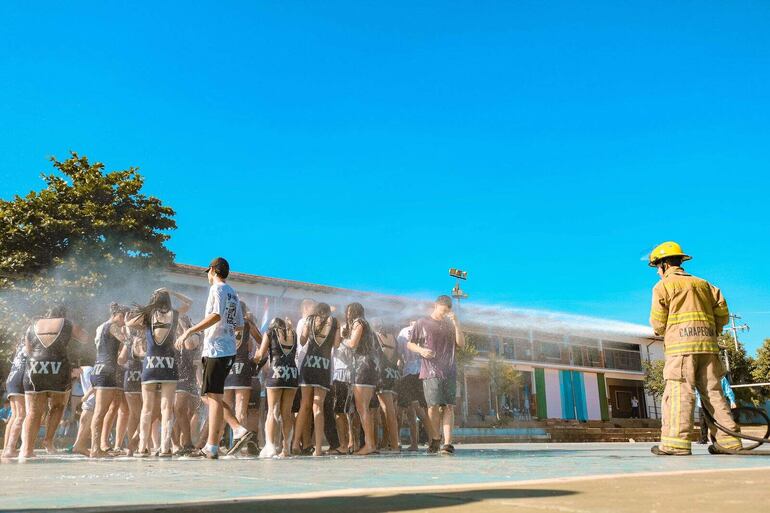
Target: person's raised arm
{"x":185,"y":302}
{"x":355,"y":335}
{"x":305,"y":331}
{"x":123,"y":355}
{"x":256,"y":335}
{"x":262,"y":351}
{"x":208,"y":321}
{"x":459,"y":335}
{"x":139,"y":347}
{"x":79,"y":334}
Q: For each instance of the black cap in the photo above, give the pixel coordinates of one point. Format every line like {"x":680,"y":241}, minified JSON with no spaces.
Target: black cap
{"x":220,"y":266}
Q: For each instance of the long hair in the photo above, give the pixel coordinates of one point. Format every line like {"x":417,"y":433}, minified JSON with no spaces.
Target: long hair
{"x":55,"y":311}
{"x":352,"y":312}
{"x":159,"y":301}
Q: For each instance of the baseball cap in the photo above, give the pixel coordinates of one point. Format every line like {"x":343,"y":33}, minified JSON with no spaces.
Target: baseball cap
{"x":220,"y":266}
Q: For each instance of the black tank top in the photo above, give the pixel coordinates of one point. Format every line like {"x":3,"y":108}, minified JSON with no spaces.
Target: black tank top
{"x":57,"y":350}
{"x":107,"y":348}
{"x":321,"y":350}
{"x":279,"y":358}
{"x":365,"y":346}
{"x":162,"y":347}
{"x":242,"y":344}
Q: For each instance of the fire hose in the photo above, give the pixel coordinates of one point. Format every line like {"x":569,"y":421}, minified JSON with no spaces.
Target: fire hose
{"x":746,"y":450}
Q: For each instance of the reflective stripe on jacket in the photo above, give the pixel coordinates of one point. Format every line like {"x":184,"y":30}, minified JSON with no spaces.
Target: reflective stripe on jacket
{"x":689,"y":312}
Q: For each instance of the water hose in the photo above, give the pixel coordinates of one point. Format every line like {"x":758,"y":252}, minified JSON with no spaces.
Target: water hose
{"x":746,"y":450}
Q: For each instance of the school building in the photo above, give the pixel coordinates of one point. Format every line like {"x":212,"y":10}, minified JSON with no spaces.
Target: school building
{"x":571,"y":367}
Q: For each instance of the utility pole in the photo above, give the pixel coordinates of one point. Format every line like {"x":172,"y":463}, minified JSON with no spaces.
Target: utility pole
{"x":458,"y":294}
{"x":736,"y":328}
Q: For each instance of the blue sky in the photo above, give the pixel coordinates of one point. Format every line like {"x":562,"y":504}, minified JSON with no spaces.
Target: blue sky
{"x":543,"y":148}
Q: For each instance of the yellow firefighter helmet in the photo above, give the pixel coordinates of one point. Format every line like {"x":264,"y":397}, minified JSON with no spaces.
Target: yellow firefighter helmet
{"x":665,"y":250}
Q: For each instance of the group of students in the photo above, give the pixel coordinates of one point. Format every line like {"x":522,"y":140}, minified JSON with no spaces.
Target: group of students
{"x":329,"y":378}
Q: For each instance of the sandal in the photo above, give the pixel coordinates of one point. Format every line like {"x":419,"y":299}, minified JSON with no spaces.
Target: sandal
{"x":335,"y":452}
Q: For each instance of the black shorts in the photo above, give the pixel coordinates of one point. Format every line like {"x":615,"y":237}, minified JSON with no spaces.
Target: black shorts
{"x":215,"y":371}
{"x":409,"y":389}
{"x":108,"y":380}
{"x":343,"y":398}
{"x":440,"y":391}
{"x":14,"y":384}
{"x":365,"y":372}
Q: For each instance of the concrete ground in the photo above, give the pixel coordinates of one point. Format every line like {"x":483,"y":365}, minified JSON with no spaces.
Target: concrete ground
{"x":613,"y":478}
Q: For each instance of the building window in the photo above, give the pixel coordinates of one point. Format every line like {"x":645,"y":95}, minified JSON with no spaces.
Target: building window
{"x":618,"y":356}
{"x":548,"y":351}
{"x":517,"y":348}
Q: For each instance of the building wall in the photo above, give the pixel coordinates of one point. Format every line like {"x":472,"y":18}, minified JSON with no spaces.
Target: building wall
{"x":572,"y":367}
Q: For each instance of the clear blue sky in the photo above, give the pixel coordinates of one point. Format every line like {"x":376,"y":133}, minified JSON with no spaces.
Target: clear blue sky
{"x":373,"y":145}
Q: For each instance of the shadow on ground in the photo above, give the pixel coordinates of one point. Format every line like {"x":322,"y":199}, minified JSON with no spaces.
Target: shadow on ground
{"x":343,"y":504}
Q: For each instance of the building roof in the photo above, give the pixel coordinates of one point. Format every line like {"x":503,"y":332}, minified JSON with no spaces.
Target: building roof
{"x":478,"y":317}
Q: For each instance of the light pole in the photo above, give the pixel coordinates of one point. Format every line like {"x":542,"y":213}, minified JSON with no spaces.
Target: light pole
{"x":736,"y":328}
{"x":458,"y":294}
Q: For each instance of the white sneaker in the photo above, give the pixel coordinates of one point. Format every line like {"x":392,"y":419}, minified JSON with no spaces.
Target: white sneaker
{"x":268,"y":451}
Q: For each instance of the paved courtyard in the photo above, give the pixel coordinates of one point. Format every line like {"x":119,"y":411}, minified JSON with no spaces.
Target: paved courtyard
{"x":504,"y":477}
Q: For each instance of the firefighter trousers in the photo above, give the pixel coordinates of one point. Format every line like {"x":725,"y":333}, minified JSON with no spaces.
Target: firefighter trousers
{"x":684,"y":374}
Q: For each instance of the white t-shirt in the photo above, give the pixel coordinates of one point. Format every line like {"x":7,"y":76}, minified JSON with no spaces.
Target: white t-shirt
{"x":634,"y":403}
{"x":301,"y":350}
{"x":219,"y":339}
{"x":85,"y":383}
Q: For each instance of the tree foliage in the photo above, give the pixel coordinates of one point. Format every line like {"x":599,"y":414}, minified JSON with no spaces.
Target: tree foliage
{"x":653,"y":378}
{"x":740,"y":366}
{"x":761,"y":371}
{"x":503,"y":379}
{"x":86,"y":232}
{"x":465,"y":355}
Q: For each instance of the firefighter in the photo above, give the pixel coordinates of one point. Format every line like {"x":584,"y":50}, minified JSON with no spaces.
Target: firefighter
{"x":689,"y":313}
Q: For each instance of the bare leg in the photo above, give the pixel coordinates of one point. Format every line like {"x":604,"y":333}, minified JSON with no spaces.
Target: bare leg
{"x":216,"y":418}
{"x":448,"y":422}
{"x":167,"y":391}
{"x":122,"y":423}
{"x":56,"y":404}
{"x":109,"y":420}
{"x":241,"y":408}
{"x":182,"y":413}
{"x":83,"y":441}
{"x":287,"y":418}
{"x":104,"y":399}
{"x":303,"y":418}
{"x":319,"y":395}
{"x":363,"y":396}
{"x":434,"y":416}
{"x":391,"y":421}
{"x":35,"y":405}
{"x":134,"y":412}
{"x":15,"y":426}
{"x":342,"y":431}
{"x":145,"y":418}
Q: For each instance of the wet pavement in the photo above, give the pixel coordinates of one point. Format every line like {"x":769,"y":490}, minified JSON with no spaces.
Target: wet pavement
{"x":72,"y":481}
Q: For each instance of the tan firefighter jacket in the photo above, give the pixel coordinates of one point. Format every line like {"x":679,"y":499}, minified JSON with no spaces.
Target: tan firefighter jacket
{"x":689,"y":312}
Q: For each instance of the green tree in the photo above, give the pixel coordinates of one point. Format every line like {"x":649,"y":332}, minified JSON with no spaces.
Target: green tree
{"x":740,"y":366}
{"x":87,"y":234}
{"x":463,"y":357}
{"x":653,"y":378}
{"x":761,"y":371}
{"x":503,"y":379}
